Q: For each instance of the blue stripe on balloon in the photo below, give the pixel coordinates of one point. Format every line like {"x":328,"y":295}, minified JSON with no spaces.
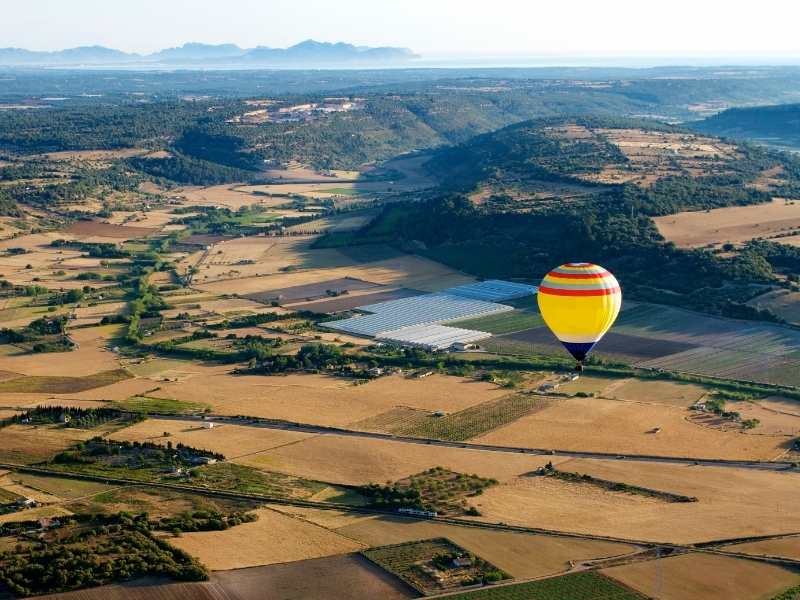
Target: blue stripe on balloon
{"x":578,"y":350}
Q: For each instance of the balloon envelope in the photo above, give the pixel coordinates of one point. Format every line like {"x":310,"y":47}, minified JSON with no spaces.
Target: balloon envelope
{"x":579,"y":302}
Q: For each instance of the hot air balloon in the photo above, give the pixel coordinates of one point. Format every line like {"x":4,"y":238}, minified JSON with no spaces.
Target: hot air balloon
{"x":579,"y":302}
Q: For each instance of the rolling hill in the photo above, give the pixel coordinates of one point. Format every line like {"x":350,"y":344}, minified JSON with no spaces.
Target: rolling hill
{"x":773,"y":125}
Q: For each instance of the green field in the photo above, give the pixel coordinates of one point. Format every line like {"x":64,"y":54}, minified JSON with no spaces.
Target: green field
{"x":508,"y":322}
{"x":578,"y":586}
{"x":7,"y":497}
{"x":61,"y":487}
{"x":238,"y":478}
{"x":164,"y":406}
{"x":458,"y":426}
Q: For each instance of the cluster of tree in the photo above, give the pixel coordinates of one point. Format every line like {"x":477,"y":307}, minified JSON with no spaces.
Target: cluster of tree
{"x":780,"y":122}
{"x":93,"y":249}
{"x":104,"y":549}
{"x":186,"y":169}
{"x":45,"y":334}
{"x":147,"y":303}
{"x":310,"y":357}
{"x":106,"y":126}
{"x":82,"y":418}
{"x":260,"y":319}
{"x":392,"y":497}
{"x":138,"y":454}
{"x":202,"y":520}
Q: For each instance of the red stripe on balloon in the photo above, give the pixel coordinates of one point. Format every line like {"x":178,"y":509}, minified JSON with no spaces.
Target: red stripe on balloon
{"x":578,"y":275}
{"x":563,"y":292}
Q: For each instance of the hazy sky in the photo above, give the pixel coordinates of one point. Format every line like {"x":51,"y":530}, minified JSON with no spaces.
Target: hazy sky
{"x":430,"y":27}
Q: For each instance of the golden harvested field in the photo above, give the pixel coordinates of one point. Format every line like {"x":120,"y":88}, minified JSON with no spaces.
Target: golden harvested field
{"x":32,"y":400}
{"x":628,"y":428}
{"x":779,"y":422}
{"x":271,"y":255}
{"x":705,"y":577}
{"x":13,"y":484}
{"x":33,"y":514}
{"x":56,"y":488}
{"x":273,"y":538}
{"x":27,"y":444}
{"x":408,"y":271}
{"x":731,"y":502}
{"x":89,"y":358}
{"x":89,"y":231}
{"x":345,"y":222}
{"x":228,"y":195}
{"x":733,"y":224}
{"x":522,"y":555}
{"x":323,"y":400}
{"x":234,"y":441}
{"x":341,"y":459}
{"x":669,"y":393}
{"x":788,"y":547}
{"x":296,"y":171}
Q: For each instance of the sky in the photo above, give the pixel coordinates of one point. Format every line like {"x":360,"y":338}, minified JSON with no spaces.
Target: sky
{"x":429,"y":27}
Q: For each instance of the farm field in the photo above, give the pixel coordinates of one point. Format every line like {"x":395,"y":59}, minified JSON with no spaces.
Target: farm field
{"x":457,"y":426}
{"x":234,"y":441}
{"x":323,"y":400}
{"x":725,"y":347}
{"x":521,"y":555}
{"x":619,"y":427}
{"x":731,"y":503}
{"x":337,"y":459}
{"x":788,"y":547}
{"x":578,"y":586}
{"x":351,"y":301}
{"x":27,"y":444}
{"x":784,"y":303}
{"x":735,"y":224}
{"x":620,"y":346}
{"x":273,"y":538}
{"x":407,"y":271}
{"x":57,"y":487}
{"x":90,"y":231}
{"x":87,"y":360}
{"x":345,"y":222}
{"x":705,"y":577}
{"x":406,"y":559}
{"x":315,"y":291}
{"x":259,"y":256}
{"x":344,"y":577}
{"x":502,"y":323}
{"x":44,"y":384}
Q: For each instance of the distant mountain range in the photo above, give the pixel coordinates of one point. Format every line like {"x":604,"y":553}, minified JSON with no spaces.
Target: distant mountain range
{"x":305,"y":54}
